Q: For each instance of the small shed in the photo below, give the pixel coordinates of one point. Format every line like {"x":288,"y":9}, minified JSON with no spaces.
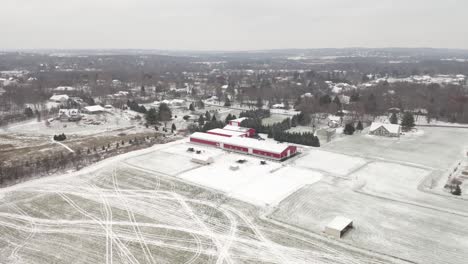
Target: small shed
{"x":202,"y":159}
{"x":338,"y":226}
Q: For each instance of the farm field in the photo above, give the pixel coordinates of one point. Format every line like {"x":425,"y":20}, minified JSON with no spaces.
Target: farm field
{"x":158,"y":206}
{"x":116,"y":212}
{"x":383,"y":194}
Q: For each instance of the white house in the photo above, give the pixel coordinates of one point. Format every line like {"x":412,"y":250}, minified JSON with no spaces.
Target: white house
{"x":386,"y":130}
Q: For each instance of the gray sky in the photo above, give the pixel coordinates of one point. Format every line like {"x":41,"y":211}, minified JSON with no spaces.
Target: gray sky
{"x":232,"y":24}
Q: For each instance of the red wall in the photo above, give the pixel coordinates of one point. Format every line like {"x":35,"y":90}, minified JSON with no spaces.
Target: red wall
{"x":227,"y":146}
{"x":266,"y":154}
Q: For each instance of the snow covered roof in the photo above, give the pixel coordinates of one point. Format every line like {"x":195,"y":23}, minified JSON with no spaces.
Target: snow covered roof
{"x":59,"y":97}
{"x":339,"y":223}
{"x":236,"y":128}
{"x":278,"y":105}
{"x":243,"y":142}
{"x":65,"y":88}
{"x":392,"y":128}
{"x":226,"y":132}
{"x":239,"y":120}
{"x":94,"y":108}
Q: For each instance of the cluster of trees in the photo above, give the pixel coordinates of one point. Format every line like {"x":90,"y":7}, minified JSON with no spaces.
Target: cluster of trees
{"x":307,"y":138}
{"x":60,"y":137}
{"x":256,"y":114}
{"x":163,"y":114}
{"x":136,"y":107}
{"x":230,"y":117}
{"x":301,"y":119}
{"x":349,"y":128}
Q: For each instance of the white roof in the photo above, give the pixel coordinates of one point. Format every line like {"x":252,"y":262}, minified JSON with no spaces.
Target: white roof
{"x":94,"y":108}
{"x":227,"y":132}
{"x":236,"y":128}
{"x":278,"y":105}
{"x":239,"y":119}
{"x":392,"y":128}
{"x":339,"y":223}
{"x":59,"y":97}
{"x":243,"y":142}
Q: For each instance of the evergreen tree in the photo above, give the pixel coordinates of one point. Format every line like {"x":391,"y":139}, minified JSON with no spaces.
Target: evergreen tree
{"x":201,"y":104}
{"x":294,"y":121}
{"x":173,"y":128}
{"x":207,"y":116}
{"x":191,"y":107}
{"x":214,"y":118}
{"x":165,"y":113}
{"x":227,"y":102}
{"x":349,"y":129}
{"x":393,"y":119}
{"x":201,"y":120}
{"x":151,"y":116}
{"x":359,"y":126}
{"x":407,"y":121}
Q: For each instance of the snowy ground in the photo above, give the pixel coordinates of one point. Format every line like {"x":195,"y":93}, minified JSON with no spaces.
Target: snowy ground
{"x":274,"y":118}
{"x":119,"y":212}
{"x":384,"y":191}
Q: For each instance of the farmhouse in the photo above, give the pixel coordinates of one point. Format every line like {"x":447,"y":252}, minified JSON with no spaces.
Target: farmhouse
{"x":338,"y":226}
{"x":226,"y":133}
{"x":386,"y":130}
{"x":237,"y":122}
{"x":250,"y":132}
{"x":245,"y":145}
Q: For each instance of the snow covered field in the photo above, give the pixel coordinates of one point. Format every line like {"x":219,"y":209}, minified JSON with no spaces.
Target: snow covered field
{"x":382,"y":192}
{"x":118,"y":212}
{"x":330,"y":162}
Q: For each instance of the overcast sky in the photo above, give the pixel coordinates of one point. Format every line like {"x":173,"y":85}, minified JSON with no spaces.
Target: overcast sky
{"x":232,"y":24}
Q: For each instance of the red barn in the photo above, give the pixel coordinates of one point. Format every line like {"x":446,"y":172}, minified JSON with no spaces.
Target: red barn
{"x":244,"y":145}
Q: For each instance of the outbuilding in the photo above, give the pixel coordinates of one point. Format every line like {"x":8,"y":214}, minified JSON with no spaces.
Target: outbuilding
{"x":338,"y":226}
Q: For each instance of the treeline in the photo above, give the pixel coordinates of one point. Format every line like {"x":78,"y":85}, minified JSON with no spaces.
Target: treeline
{"x":256,"y":114}
{"x":20,"y":171}
{"x":306,"y":138}
{"x":278,"y":132}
